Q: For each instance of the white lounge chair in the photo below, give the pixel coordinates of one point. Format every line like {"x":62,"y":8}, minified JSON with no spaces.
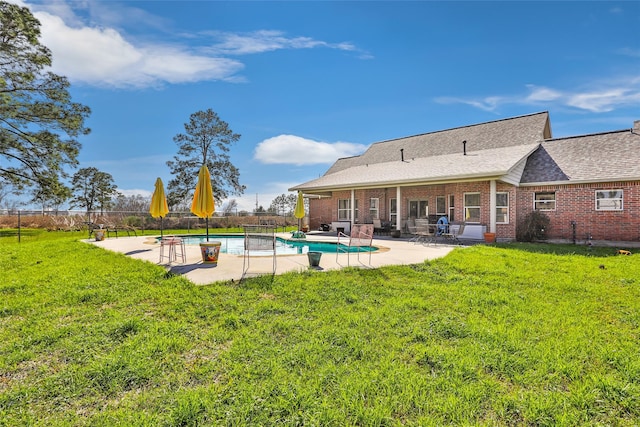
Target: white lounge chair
{"x":360,"y":238}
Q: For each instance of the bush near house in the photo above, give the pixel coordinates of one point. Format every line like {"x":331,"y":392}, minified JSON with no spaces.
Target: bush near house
{"x":533,"y":227}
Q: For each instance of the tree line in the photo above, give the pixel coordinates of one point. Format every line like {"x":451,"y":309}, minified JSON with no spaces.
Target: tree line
{"x":40,"y":128}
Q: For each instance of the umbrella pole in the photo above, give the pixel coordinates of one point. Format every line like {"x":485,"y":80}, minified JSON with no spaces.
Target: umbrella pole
{"x":207,"y":221}
{"x":161,"y":227}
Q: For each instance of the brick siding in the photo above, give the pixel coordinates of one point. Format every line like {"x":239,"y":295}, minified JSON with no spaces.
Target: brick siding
{"x":573,"y":203}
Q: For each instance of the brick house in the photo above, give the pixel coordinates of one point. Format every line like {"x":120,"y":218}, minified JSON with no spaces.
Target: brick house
{"x":491,"y":175}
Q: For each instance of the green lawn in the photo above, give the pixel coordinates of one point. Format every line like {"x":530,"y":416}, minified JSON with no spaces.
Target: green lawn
{"x":503,"y":335}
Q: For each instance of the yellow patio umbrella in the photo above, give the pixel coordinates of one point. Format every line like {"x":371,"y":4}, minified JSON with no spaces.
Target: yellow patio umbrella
{"x":299,"y":210}
{"x":203,"y":203}
{"x":159,"y":207}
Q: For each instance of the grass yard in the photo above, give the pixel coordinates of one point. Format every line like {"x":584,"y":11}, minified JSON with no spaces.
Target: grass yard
{"x":504,"y":335}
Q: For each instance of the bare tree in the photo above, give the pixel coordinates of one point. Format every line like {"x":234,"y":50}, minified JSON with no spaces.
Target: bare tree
{"x":229,"y":207}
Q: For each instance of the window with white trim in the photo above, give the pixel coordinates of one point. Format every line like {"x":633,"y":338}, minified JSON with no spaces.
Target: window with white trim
{"x":374,"y":208}
{"x":472,"y":207}
{"x":441,"y":205}
{"x":502,"y":208}
{"x":418,"y":208}
{"x":344,"y":210}
{"x":609,"y":200}
{"x":393,"y":210}
{"x":452,"y":208}
{"x":544,"y":201}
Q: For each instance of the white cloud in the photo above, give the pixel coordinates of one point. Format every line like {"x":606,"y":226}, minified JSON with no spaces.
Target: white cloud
{"x":604,"y":100}
{"x":136,"y":192}
{"x":599,"y":96}
{"x":291,"y":149}
{"x":487,"y":104}
{"x":542,"y":94}
{"x":103,"y":57}
{"x":102,"y":54}
{"x":267,"y":40}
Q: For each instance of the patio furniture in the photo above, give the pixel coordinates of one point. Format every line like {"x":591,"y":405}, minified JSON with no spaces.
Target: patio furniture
{"x":259,"y":240}
{"x":380,"y":228}
{"x":442,"y":226}
{"x":423,"y":232}
{"x":171,"y":247}
{"x":455,"y":230}
{"x":360,"y":238}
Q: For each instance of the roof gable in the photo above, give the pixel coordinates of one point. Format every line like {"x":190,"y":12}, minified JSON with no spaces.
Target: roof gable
{"x":599,"y":157}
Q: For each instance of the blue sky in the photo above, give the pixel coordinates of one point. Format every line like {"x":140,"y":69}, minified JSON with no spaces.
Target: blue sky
{"x":305,"y":83}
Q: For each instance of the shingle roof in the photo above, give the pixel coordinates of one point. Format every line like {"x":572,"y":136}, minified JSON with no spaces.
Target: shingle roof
{"x":493,"y":148}
{"x":501,"y":133}
{"x":493,"y":162}
{"x":611,"y":156}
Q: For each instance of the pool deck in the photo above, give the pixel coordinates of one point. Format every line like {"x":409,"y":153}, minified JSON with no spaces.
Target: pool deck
{"x":229,"y":267}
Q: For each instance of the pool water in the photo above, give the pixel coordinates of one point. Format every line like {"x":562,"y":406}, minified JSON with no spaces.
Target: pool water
{"x":235,"y":245}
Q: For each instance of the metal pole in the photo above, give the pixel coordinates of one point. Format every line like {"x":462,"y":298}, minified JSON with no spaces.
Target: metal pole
{"x":18,"y":226}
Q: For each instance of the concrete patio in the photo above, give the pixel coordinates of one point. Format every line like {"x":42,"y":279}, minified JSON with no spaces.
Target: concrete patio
{"x":391,"y":251}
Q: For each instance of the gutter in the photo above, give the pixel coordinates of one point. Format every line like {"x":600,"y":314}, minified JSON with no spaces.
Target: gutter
{"x":362,"y":186}
{"x":579,"y":181}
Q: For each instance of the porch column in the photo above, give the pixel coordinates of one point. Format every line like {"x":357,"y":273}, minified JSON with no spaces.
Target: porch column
{"x":398,"y":209}
{"x":492,"y":206}
{"x":353,"y":206}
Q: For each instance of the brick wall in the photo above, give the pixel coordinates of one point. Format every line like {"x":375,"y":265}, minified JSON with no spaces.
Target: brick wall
{"x":573,"y":203}
{"x":577,"y":203}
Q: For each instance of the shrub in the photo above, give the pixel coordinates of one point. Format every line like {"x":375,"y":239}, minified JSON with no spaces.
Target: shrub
{"x":532,"y":227}
{"x":133,"y":221}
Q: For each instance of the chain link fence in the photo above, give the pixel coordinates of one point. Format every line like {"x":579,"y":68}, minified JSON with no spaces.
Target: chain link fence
{"x":138,"y":223}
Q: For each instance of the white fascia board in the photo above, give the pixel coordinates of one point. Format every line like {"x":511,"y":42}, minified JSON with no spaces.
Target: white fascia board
{"x":580,"y":181}
{"x":361,"y":186}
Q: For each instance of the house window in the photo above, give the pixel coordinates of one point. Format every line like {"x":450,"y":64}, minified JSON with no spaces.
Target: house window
{"x":344,"y":209}
{"x":393,"y":211}
{"x":374,"y":208}
{"x":472,"y":207}
{"x":545,"y":201}
{"x":441,"y":205}
{"x":502,"y":208}
{"x":451,"y":208}
{"x":608,"y":200}
{"x":418,"y":208}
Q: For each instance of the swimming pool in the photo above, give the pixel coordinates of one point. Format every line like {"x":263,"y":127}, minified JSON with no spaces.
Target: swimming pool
{"x":234,"y":245}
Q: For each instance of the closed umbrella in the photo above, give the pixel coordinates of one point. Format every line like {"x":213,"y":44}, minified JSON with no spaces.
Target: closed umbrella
{"x":299,"y":210}
{"x":203,"y":205}
{"x":159,"y":207}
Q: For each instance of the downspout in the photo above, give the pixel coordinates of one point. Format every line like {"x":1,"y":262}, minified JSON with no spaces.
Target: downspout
{"x":492,"y":206}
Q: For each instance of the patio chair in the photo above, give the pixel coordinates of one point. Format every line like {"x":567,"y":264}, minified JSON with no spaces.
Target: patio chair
{"x":409,"y":225}
{"x":259,"y":240}
{"x":379,"y":228}
{"x":360,"y":239}
{"x":422,"y":232}
{"x":455,"y":230}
